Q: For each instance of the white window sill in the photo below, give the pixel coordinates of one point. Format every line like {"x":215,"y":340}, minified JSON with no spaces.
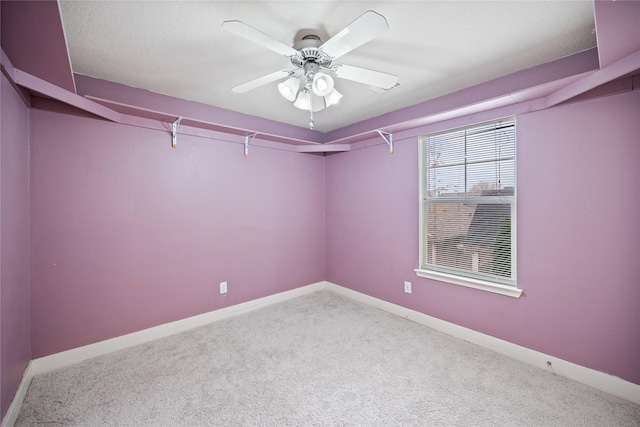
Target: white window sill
{"x":511,"y":291}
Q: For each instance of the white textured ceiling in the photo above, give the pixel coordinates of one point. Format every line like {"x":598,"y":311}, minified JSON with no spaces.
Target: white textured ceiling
{"x":178,"y":48}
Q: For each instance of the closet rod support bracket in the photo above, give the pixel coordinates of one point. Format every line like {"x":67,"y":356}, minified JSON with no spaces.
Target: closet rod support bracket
{"x":174,"y":132}
{"x":388,"y":138}
{"x":248,"y":139}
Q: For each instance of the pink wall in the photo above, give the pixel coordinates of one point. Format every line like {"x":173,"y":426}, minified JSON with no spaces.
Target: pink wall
{"x":32,"y":36}
{"x":15,"y":323}
{"x":578,"y":236}
{"x":129,"y":233}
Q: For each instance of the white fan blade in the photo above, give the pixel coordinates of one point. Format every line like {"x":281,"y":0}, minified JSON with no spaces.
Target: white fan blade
{"x":243,"y":30}
{"x":261,"y":81}
{"x":366,"y":27}
{"x":365,"y":76}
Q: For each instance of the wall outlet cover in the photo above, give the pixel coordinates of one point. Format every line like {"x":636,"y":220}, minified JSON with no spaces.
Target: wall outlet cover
{"x":407,"y":287}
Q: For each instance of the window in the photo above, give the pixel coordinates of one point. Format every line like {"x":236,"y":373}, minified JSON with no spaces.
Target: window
{"x":468,"y":202}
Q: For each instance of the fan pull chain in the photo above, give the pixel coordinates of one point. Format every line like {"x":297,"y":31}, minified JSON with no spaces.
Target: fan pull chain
{"x":311,"y":124}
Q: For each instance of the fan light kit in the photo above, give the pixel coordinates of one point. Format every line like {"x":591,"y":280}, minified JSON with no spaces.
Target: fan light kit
{"x":310,"y":83}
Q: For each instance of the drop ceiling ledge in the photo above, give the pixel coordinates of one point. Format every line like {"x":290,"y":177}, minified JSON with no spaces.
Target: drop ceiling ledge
{"x":536,"y":88}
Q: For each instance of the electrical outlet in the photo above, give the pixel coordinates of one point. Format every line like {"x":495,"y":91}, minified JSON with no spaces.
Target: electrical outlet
{"x":223,"y":287}
{"x":407,"y":287}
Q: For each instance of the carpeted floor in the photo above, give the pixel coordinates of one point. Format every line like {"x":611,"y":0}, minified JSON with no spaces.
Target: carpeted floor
{"x":317,"y":360}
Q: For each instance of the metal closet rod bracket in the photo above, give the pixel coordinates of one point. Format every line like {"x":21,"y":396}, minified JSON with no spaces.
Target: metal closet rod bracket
{"x":174,"y":132}
{"x":248,"y":139}
{"x":388,"y":138}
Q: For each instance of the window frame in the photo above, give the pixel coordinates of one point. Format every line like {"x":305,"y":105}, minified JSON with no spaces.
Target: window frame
{"x":442,"y":274}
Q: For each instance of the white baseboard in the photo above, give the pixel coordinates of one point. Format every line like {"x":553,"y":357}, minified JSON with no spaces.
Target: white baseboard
{"x":69,"y":357}
{"x":75,"y":355}
{"x":16,"y":404}
{"x":599,"y":380}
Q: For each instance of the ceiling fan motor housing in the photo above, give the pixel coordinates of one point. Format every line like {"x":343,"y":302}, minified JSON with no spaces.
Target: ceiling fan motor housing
{"x":309,"y":52}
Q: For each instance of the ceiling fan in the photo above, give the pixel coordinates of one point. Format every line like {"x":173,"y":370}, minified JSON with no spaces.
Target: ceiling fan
{"x":309,"y":83}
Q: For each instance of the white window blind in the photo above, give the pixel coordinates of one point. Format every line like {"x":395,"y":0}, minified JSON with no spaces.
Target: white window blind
{"x":469,"y":202}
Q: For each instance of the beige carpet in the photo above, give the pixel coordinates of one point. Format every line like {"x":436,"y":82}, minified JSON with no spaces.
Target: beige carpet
{"x":317,"y":360}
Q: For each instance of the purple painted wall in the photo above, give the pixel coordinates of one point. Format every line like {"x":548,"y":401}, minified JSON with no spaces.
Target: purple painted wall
{"x":578,"y":236}
{"x":32,"y":36}
{"x":15,"y":323}
{"x":129,"y":233}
